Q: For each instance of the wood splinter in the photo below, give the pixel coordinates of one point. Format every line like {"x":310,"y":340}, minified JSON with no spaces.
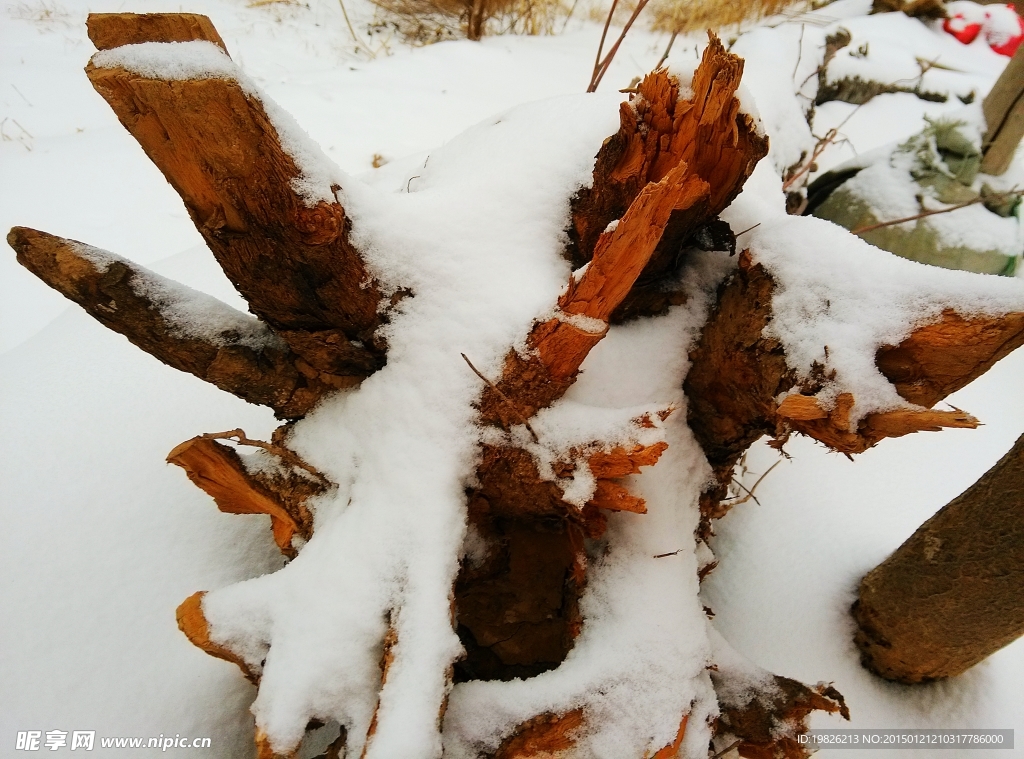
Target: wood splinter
{"x":279,"y":492}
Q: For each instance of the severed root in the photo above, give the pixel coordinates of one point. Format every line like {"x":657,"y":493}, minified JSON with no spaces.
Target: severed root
{"x":763,"y":714}
{"x":558,"y":346}
{"x":192,"y":622}
{"x":739,"y":372}
{"x":765,"y":722}
{"x":279,"y":489}
{"x":184,"y":329}
{"x":938,"y":359}
{"x":288,"y":253}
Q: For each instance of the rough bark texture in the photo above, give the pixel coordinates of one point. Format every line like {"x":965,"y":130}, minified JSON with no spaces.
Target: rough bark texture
{"x":738,"y":373}
{"x":953,"y":593}
{"x":271,"y":375}
{"x":1004,"y":115}
{"x":766,"y":720}
{"x":109,"y":30}
{"x":658,"y":131}
{"x":291,"y":261}
{"x":280,"y":493}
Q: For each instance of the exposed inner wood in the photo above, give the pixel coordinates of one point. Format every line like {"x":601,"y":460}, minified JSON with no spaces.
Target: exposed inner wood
{"x":657,"y":132}
{"x":939,"y":359}
{"x":117,"y":297}
{"x":546,"y":736}
{"x":738,"y":373}
{"x":192,"y":622}
{"x":109,"y":30}
{"x":292,"y":261}
{"x":557,"y":347}
{"x":280,"y":492}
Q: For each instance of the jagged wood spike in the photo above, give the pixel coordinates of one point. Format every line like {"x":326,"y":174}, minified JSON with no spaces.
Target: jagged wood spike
{"x":220,"y":151}
{"x":558,"y":346}
{"x":120,"y":295}
{"x":706,"y":130}
{"x":218,"y":470}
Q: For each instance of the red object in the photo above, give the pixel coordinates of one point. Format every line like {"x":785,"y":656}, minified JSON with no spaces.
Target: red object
{"x":1010,"y":46}
{"x":964,"y":32}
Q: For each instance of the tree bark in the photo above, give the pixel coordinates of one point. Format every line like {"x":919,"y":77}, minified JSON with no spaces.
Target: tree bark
{"x":110,"y":30}
{"x":243,"y":356}
{"x":1004,"y":114}
{"x":217,"y":147}
{"x":953,"y":593}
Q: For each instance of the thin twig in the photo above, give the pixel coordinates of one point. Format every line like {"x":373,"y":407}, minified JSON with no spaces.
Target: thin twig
{"x":727,"y":749}
{"x":667,"y":51}
{"x":753,"y":489}
{"x":748,"y":229}
{"x":289,"y":457}
{"x":819,"y":148}
{"x":923,"y":214}
{"x":607,"y":62}
{"x":503,"y":397}
{"x":600,"y":45}
{"x":670,"y":553}
{"x":800,"y":53}
{"x":352,"y":31}
{"x":569,"y":15}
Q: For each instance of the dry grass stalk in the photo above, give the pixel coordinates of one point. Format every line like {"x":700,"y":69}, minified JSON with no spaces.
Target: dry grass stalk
{"x":696,"y":15}
{"x":425,"y":21}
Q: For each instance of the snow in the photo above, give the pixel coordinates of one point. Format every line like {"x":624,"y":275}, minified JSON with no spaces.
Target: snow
{"x":106,"y":540}
{"x":188,"y":312}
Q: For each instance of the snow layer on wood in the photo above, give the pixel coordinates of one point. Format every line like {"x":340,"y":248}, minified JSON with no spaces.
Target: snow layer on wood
{"x":179,"y":61}
{"x":478,"y":238}
{"x":188,"y":312}
{"x":838,"y":299}
{"x":640,"y":660}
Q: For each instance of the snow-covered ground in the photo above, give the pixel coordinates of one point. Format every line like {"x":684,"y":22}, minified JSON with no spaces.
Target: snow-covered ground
{"x":103,"y":540}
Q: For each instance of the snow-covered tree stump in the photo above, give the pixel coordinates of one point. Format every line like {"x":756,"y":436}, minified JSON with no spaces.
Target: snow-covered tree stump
{"x":475,"y":566}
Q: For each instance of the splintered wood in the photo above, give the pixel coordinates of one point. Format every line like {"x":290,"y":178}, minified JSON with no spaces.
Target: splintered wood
{"x":279,"y":490}
{"x":739,"y":373}
{"x":658,"y":132}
